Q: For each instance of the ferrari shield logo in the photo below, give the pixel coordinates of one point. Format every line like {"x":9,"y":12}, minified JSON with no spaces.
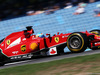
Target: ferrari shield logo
{"x":56,"y":39}
{"x":8,"y":42}
{"x":23,"y":48}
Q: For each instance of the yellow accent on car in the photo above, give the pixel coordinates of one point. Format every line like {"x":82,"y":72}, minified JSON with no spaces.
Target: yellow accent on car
{"x":23,"y":48}
{"x":98,"y":46}
{"x":94,"y":32}
{"x":56,"y":39}
{"x":8,"y":42}
{"x":33,"y":46}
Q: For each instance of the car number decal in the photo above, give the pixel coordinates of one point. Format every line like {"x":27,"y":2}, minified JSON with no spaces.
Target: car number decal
{"x":56,"y":39}
{"x":23,"y":48}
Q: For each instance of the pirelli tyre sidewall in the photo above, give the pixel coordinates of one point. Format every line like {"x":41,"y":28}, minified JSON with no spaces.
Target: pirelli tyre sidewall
{"x":77,"y":42}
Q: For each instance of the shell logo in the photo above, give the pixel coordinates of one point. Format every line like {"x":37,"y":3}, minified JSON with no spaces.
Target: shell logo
{"x":33,"y":46}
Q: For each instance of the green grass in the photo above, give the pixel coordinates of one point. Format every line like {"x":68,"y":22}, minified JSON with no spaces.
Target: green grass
{"x":33,"y":69}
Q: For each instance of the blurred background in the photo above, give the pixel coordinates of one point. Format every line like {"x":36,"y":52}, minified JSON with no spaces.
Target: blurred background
{"x":17,"y":8}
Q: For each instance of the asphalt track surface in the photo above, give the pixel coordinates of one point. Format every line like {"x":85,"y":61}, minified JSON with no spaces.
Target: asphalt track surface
{"x":50,"y":58}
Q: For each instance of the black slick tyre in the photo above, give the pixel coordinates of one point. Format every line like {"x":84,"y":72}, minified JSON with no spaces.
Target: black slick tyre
{"x":77,"y":42}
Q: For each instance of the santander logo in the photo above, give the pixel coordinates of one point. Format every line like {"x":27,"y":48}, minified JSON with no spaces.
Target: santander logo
{"x":53,"y":51}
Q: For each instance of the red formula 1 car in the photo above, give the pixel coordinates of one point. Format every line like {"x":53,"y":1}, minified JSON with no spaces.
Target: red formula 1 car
{"x":24,"y":44}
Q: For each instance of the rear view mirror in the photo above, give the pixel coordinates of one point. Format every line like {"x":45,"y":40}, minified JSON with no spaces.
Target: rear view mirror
{"x":48,"y":34}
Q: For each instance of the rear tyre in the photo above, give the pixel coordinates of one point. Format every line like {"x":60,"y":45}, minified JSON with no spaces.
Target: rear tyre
{"x":77,"y":42}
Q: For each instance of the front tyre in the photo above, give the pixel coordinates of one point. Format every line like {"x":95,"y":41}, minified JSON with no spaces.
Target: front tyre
{"x":77,"y":42}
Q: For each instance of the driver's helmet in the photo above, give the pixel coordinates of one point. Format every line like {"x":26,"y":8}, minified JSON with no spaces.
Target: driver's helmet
{"x":40,"y":35}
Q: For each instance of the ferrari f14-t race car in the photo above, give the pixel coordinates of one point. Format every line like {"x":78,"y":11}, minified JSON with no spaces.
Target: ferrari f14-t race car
{"x":24,"y":44}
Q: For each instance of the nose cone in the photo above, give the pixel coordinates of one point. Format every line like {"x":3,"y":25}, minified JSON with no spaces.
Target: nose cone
{"x":34,"y":46}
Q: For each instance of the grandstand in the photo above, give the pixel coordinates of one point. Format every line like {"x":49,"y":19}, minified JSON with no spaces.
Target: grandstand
{"x":62,"y":21}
